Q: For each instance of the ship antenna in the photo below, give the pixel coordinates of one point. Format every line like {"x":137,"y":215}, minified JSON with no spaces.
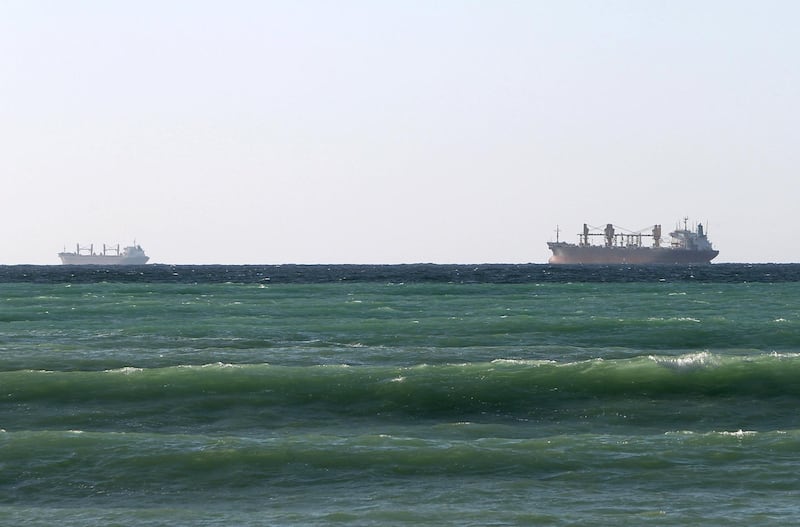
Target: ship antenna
{"x":558,"y":230}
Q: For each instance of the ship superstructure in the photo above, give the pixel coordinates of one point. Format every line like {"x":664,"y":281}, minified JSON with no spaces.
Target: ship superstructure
{"x":687,"y":246}
{"x":110,"y":255}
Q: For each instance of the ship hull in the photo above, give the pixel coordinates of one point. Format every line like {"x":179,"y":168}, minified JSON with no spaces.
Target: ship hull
{"x":565,"y":253}
{"x":100,"y":259}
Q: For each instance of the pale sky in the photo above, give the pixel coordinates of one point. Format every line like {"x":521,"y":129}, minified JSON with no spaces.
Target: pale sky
{"x":265,"y":132}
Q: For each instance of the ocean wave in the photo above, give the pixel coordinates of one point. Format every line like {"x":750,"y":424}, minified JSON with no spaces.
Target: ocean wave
{"x":692,"y":372}
{"x":642,"y":389}
{"x":115,"y":462}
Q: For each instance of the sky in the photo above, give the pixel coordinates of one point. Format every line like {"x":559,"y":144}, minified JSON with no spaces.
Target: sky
{"x":269,"y":132}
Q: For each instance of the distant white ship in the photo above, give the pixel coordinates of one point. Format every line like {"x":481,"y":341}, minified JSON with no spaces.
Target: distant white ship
{"x":111,"y":255}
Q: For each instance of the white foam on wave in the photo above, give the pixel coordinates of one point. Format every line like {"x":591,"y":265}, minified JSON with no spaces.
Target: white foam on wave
{"x":673,"y":319}
{"x":691,"y":361}
{"x":784,"y":355}
{"x":127,"y":370}
{"x":208,"y":365}
{"x":739,"y":434}
{"x":524,"y":362}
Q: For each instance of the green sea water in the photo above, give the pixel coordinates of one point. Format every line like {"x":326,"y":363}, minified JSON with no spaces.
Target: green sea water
{"x":374,"y":402}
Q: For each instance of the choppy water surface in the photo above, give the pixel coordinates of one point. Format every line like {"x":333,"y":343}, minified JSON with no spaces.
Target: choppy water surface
{"x":392,"y":395}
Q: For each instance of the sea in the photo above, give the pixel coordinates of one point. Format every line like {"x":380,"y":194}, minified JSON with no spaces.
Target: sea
{"x":375,"y":395}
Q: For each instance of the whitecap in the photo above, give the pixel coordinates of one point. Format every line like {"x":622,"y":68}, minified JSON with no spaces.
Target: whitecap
{"x":784,"y":355}
{"x":127,"y":370}
{"x":690,"y":361}
{"x":739,"y":434}
{"x":220,"y":365}
{"x":524,"y":362}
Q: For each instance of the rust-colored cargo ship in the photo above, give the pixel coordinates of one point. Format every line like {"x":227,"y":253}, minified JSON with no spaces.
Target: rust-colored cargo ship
{"x":686,"y":247}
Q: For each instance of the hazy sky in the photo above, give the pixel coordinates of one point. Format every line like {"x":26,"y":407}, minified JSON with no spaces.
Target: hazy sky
{"x":385,"y":132}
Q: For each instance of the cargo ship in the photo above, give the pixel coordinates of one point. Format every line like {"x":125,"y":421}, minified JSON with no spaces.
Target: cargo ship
{"x":110,"y":255}
{"x":687,"y":246}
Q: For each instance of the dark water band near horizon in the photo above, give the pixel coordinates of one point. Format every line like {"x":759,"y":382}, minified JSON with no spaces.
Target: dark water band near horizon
{"x":459,"y":395}
{"x":420,"y":272}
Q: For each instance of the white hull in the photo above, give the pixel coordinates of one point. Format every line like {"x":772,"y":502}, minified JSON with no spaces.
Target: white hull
{"x":132,"y":255}
{"x":99,"y":259}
